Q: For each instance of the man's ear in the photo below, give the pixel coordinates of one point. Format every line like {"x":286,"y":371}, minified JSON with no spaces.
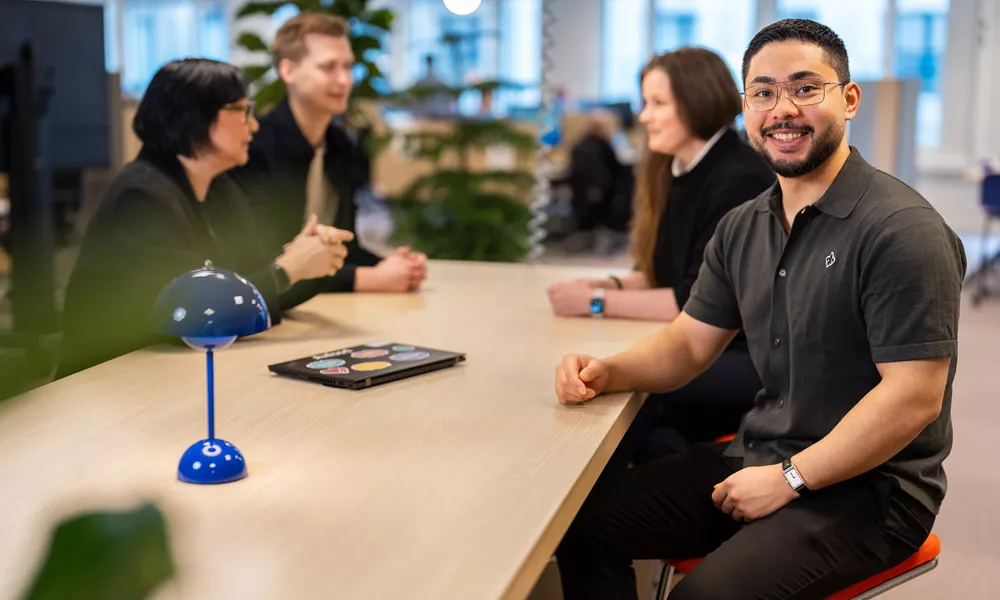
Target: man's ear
{"x":286,"y":70}
{"x":852,"y":100}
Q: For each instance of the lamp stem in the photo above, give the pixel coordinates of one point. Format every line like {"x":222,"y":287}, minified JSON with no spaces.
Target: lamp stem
{"x":210,"y":365}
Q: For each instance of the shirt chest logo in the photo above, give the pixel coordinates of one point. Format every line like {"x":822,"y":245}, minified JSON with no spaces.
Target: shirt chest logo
{"x":830,"y":260}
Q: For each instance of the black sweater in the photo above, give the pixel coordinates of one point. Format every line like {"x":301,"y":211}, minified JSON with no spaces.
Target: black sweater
{"x":148,"y":230}
{"x":275,"y":180}
{"x":730,"y":174}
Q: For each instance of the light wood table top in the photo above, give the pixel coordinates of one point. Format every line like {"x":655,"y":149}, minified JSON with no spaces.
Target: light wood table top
{"x":453,"y":484}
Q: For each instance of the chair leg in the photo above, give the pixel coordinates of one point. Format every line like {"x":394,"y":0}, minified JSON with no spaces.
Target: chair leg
{"x":897,"y":581}
{"x":666,"y":579}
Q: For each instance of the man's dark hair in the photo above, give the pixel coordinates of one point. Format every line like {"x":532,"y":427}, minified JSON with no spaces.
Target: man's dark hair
{"x":183,"y":101}
{"x":801,"y":30}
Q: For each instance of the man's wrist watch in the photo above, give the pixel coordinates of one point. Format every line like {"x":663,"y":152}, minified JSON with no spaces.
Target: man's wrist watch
{"x":793,"y":478}
{"x":597,"y":302}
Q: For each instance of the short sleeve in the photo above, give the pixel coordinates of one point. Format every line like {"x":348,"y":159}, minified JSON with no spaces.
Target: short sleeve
{"x":713,"y":298}
{"x":911,"y":286}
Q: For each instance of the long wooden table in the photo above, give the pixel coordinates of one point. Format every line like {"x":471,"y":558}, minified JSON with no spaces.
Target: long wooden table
{"x":453,"y":484}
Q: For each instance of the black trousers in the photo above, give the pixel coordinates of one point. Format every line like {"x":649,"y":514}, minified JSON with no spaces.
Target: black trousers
{"x":816,"y":545}
{"x":710,"y":406}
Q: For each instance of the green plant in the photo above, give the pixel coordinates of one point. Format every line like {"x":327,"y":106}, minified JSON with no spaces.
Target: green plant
{"x":122,"y":555}
{"x":368,"y":27}
{"x":458,"y":213}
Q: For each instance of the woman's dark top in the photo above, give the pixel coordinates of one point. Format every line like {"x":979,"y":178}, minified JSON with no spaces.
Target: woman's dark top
{"x":148,"y":230}
{"x":730,"y":174}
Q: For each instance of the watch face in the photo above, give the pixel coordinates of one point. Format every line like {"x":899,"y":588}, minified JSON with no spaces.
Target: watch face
{"x":793,"y":478}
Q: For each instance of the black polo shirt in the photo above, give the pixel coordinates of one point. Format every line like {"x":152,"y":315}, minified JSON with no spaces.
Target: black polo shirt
{"x":868,"y":274}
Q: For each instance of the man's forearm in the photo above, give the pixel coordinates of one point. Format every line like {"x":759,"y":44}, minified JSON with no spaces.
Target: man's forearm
{"x":663,"y":362}
{"x":887,"y":419}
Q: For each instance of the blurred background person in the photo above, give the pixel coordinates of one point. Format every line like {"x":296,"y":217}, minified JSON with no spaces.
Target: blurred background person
{"x":303,"y":163}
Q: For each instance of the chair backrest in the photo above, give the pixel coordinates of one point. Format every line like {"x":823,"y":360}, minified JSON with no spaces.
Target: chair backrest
{"x":991,"y":194}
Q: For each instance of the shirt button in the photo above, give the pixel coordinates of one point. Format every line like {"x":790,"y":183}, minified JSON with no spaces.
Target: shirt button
{"x":781,"y":403}
{"x":782,"y":273}
{"x":777,"y":341}
{"x":751,"y":444}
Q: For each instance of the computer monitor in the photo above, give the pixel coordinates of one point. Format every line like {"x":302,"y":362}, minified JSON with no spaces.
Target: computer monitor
{"x":68,"y":45}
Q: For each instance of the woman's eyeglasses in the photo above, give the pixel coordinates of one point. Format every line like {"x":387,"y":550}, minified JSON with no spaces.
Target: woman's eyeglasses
{"x":246,"y":109}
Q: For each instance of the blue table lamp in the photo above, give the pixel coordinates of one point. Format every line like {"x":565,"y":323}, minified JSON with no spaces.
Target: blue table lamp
{"x":209,"y":308}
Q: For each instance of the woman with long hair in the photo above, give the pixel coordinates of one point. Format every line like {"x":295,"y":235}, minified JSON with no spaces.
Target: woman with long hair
{"x":695,"y":169}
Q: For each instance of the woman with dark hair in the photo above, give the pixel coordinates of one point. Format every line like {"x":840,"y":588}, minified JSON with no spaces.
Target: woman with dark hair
{"x":172,"y":209}
{"x":694,"y":171}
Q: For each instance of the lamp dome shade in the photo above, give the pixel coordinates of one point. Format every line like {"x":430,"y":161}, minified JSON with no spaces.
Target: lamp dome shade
{"x":210,"y":303}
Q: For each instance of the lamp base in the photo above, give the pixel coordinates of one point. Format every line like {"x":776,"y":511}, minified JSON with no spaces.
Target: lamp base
{"x":212,"y":461}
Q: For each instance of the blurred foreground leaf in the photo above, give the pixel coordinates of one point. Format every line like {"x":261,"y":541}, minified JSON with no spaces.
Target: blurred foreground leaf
{"x":106,"y":556}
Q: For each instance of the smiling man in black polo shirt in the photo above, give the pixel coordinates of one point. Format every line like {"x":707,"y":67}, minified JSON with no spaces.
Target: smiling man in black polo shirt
{"x":847,"y":284}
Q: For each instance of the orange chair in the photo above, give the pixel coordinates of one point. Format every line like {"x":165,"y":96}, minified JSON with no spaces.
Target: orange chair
{"x":924,"y":560}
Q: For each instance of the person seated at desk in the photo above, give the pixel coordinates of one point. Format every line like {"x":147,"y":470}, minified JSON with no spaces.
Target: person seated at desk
{"x":695,"y":171}
{"x":848,"y":285}
{"x":301,"y":163}
{"x":601,"y":187}
{"x":172,"y":209}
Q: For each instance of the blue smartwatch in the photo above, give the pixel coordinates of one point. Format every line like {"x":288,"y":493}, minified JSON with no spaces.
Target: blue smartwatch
{"x":597,"y":303}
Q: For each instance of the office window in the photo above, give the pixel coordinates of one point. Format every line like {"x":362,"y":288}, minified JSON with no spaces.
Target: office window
{"x":918,"y":52}
{"x":158,"y":31}
{"x":624,"y":49}
{"x":501,"y":40}
{"x":723,"y":26}
{"x":521,"y":53}
{"x":673,"y":30}
{"x":860,"y":23}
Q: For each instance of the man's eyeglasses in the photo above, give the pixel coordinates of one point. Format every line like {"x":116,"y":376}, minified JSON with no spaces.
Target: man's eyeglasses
{"x":246,"y":109}
{"x":802,"y":92}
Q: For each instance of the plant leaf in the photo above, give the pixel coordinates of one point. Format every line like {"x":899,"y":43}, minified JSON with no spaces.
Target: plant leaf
{"x":259,"y":8}
{"x":252,"y":42}
{"x":123,"y":555}
{"x":269,"y":95}
{"x":382,"y":18}
{"x":363,"y":43}
{"x":255,"y":72}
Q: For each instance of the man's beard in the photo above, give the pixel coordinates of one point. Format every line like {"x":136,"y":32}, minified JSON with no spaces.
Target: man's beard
{"x":821,"y":149}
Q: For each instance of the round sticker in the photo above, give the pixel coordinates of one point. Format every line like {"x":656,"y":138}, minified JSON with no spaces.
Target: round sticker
{"x":336,"y":371}
{"x":372,"y":366}
{"x":410,"y":356}
{"x":325,"y":364}
{"x":402,"y":348}
{"x":369,"y":353}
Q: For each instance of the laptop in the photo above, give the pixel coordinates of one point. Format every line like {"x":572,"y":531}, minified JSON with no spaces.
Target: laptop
{"x":367,"y":365}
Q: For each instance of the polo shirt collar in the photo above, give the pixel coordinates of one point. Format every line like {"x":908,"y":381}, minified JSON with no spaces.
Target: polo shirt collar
{"x":840,"y":198}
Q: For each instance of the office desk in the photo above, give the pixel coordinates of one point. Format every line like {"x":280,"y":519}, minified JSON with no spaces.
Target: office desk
{"x":454,"y":484}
